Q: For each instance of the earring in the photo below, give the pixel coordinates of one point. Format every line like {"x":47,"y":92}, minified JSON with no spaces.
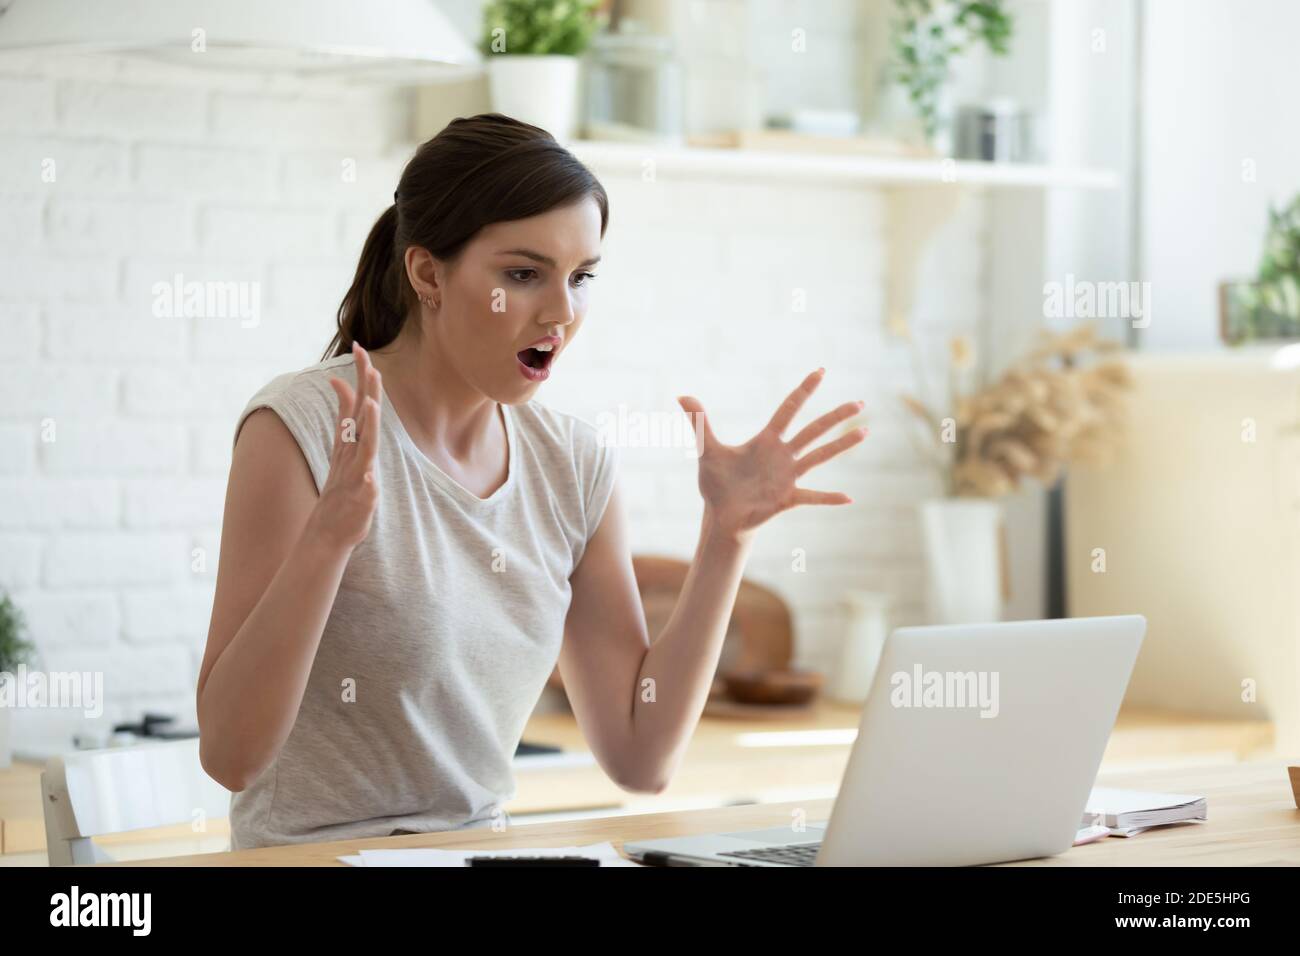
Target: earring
{"x":425,"y":300}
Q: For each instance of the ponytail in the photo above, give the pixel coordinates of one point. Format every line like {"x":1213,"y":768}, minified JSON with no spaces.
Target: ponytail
{"x":372,"y":311}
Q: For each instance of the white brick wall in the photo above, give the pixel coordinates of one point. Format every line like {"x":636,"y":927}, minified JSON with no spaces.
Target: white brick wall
{"x":227,"y":178}
{"x":154,"y":172}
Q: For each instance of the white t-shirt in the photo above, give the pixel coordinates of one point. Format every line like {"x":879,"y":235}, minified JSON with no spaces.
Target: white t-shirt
{"x":447,"y":623}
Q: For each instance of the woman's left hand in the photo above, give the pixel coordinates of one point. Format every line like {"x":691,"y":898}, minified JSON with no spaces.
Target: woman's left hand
{"x":744,"y":485}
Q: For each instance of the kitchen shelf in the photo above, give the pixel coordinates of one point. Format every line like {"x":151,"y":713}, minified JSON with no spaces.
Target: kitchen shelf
{"x":837,"y":168}
{"x":919,"y":194}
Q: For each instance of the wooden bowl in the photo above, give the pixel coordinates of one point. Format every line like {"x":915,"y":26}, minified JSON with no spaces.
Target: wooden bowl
{"x":784,"y":687}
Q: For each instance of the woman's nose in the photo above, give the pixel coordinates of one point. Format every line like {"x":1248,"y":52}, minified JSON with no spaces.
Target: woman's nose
{"x":560,"y":311}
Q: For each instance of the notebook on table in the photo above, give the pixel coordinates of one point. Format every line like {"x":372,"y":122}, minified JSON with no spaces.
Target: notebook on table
{"x":1129,"y":812}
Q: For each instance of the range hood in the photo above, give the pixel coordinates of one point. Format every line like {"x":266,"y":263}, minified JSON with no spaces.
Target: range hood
{"x":375,"y":40}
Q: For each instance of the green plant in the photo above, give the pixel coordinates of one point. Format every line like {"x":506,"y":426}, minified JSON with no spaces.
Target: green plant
{"x":1269,"y":306}
{"x":1278,"y":281}
{"x":927,"y":34}
{"x":13,"y":649}
{"x":537,"y":27}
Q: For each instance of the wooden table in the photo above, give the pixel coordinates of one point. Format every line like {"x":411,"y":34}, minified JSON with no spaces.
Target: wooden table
{"x":22,"y":826}
{"x":728,"y":761}
{"x":1253,"y":821}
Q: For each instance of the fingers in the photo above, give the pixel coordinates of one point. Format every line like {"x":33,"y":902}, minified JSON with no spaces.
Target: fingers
{"x":346,"y":401}
{"x":814,"y":430}
{"x":790,"y":407}
{"x":363,"y":378}
{"x":373,"y":379}
{"x":361,"y":405}
{"x":369,"y":430}
{"x":692,"y":407}
{"x":369,"y":388}
{"x":804,"y":496}
{"x":828,"y":451}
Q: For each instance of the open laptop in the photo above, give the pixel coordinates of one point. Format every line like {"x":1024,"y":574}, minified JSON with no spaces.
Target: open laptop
{"x":978,"y":743}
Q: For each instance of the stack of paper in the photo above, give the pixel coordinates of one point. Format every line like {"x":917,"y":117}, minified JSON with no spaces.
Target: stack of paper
{"x":1128,"y":812}
{"x":420,"y":856}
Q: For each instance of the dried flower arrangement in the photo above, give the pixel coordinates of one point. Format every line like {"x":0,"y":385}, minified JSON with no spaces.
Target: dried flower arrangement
{"x":1061,"y":403}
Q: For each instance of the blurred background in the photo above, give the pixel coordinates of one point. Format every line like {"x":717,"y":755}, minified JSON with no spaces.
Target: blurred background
{"x":1053,"y":246}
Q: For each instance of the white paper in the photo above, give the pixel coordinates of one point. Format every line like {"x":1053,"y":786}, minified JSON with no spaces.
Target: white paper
{"x":1130,"y":812}
{"x":1091,"y":835}
{"x":1113,"y":801}
{"x":425,"y":856}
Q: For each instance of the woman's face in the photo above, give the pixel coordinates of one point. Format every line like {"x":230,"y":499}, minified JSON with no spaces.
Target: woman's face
{"x":516,"y":285}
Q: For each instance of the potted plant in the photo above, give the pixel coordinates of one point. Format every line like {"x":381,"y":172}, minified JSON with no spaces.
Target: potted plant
{"x":1269,"y":307}
{"x":1061,"y":403}
{"x":532,"y":49}
{"x":13,"y":651}
{"x":926,"y":35}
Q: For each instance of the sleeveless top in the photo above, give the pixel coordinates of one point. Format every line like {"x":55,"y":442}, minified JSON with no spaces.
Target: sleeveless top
{"x":447,"y":623}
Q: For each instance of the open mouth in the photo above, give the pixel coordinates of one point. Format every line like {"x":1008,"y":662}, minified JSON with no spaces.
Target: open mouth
{"x":534,"y":363}
{"x":536,"y":358}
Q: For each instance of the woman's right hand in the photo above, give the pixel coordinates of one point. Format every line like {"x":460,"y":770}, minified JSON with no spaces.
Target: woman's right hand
{"x":351,"y":492}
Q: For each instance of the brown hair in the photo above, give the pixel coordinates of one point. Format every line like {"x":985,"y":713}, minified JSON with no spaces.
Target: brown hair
{"x":476,"y":171}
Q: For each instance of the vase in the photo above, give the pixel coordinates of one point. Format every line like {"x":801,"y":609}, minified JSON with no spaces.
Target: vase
{"x":963,"y":538}
{"x":867,"y":616}
{"x":541,"y":90}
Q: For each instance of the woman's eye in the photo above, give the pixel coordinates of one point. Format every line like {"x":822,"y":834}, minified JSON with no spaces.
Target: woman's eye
{"x":589,"y":277}
{"x":516,"y":273}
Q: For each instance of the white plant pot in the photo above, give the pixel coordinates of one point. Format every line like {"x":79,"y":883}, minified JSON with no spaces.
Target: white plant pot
{"x":6,"y":738}
{"x":542,"y":90}
{"x":962,"y":538}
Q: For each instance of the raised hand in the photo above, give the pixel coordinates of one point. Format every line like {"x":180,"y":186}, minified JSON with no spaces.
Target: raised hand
{"x":745,"y":485}
{"x":351,"y":492}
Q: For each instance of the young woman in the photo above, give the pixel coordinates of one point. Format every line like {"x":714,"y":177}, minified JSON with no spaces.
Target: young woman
{"x":411,"y":542}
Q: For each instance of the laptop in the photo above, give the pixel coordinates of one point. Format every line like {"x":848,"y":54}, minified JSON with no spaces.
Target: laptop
{"x":979,"y":743}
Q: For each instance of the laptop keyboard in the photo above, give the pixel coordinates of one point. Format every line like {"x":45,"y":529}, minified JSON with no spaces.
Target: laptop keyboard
{"x":794,"y":854}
